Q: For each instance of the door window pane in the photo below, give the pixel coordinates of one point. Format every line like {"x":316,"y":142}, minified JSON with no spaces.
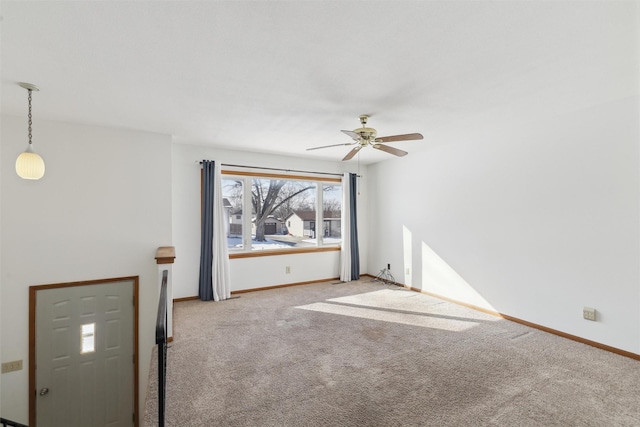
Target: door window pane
{"x":88,"y":338}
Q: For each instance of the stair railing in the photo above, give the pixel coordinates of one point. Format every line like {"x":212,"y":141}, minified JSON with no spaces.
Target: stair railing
{"x":161,"y":341}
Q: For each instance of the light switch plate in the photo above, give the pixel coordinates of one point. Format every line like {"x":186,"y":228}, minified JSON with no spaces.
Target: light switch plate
{"x":15,"y":365}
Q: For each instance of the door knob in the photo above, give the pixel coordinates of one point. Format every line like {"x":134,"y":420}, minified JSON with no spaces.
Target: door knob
{"x":44,"y":391}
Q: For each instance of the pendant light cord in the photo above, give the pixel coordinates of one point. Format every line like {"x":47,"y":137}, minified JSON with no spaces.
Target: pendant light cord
{"x":29,"y":90}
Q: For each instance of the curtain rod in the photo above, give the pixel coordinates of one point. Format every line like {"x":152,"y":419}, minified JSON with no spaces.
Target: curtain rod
{"x":279,"y":169}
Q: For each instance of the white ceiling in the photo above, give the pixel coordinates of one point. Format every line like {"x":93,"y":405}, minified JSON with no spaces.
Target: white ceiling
{"x":284,"y":76}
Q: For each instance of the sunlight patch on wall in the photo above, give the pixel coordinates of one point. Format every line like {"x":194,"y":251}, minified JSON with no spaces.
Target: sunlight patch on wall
{"x":408,"y":255}
{"x":440,"y":278}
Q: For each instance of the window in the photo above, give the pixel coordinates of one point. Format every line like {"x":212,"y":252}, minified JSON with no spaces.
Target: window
{"x":232,"y":201}
{"x":332,"y":213}
{"x":284,"y":214}
{"x":87,"y":338}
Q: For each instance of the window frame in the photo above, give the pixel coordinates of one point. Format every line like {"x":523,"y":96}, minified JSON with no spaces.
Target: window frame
{"x":247,"y":177}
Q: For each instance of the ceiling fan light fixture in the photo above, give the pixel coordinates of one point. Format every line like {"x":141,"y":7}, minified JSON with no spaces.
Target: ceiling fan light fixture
{"x":29,"y":165}
{"x":368,"y":137}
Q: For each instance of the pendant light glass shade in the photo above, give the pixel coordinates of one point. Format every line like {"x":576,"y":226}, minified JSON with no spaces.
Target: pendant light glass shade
{"x":30,"y":165}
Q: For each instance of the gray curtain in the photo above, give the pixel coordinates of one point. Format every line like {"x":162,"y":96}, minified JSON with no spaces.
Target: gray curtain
{"x":353,"y":228}
{"x":205,"y":287}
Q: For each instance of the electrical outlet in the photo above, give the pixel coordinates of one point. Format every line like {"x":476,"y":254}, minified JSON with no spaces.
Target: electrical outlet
{"x":388,"y":266}
{"x":407,"y":271}
{"x":589,"y":313}
{"x":287,"y":270}
{"x":15,"y":365}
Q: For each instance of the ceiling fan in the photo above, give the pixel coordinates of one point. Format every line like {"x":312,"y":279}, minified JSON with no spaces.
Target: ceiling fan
{"x":365,"y":136}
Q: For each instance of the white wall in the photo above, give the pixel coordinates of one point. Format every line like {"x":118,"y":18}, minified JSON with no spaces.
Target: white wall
{"x":246,"y":273}
{"x":1,"y":299}
{"x":101,"y":210}
{"x":534,"y":220}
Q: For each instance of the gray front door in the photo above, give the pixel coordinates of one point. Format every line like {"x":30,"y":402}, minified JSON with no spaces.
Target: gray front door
{"x":85,"y":355}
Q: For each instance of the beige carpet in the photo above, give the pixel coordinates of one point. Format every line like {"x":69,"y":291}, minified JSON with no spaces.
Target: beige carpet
{"x":366,"y":354}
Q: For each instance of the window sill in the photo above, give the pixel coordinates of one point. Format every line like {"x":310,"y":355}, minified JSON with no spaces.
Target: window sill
{"x":252,"y":254}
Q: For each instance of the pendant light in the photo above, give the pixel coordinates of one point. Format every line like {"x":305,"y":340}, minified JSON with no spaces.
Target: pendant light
{"x":29,"y":165}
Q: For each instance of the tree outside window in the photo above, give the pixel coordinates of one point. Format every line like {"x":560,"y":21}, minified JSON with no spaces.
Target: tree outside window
{"x":284,"y":212}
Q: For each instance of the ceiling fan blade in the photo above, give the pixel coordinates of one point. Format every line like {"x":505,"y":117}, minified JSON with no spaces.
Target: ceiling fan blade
{"x":351,"y":134}
{"x":390,"y":150}
{"x":327,"y":146}
{"x":352,"y":153}
{"x":393,"y":138}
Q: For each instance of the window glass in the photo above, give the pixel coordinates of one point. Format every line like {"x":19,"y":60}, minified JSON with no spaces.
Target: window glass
{"x":283,"y":213}
{"x":277,"y":202}
{"x":232,"y":203}
{"x":331,"y":213}
{"x":88,"y":338}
